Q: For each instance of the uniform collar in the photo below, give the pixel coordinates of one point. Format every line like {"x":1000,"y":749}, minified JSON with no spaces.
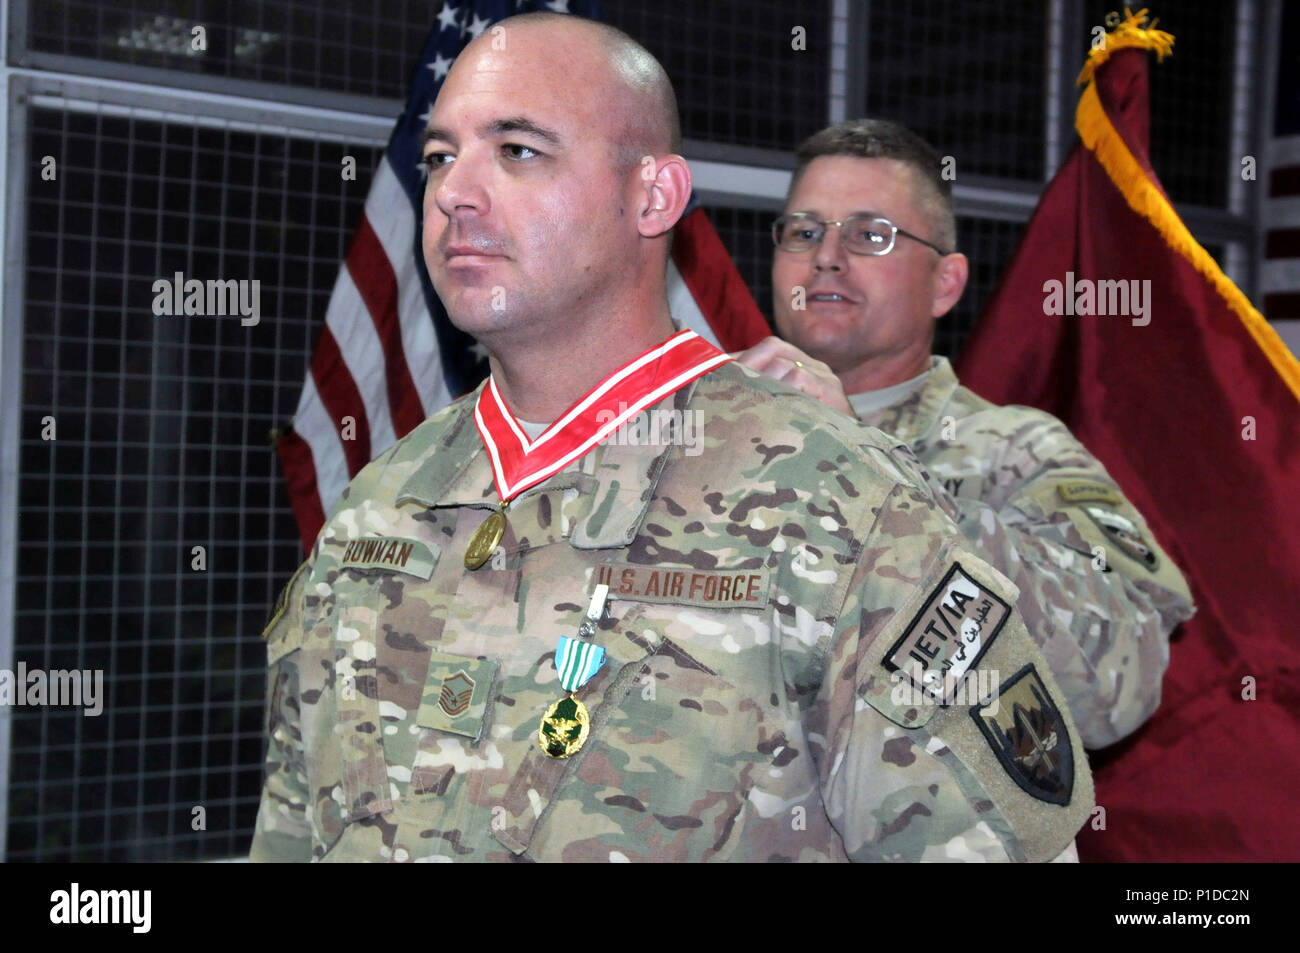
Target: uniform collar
{"x":616,"y":481}
{"x":918,"y":413}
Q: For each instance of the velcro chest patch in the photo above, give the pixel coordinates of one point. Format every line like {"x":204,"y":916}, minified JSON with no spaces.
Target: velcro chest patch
{"x":955,"y":626}
{"x":396,"y":553}
{"x":456,"y":694}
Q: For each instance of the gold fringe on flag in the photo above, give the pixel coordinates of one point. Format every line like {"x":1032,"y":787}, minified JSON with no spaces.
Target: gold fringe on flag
{"x":1132,"y":31}
{"x":1102,"y":139}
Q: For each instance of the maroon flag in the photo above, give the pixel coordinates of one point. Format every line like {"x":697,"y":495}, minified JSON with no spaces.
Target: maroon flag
{"x":1113,"y":318}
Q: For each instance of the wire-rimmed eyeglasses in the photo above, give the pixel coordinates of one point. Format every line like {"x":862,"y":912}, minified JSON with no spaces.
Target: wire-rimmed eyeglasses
{"x":860,"y":234}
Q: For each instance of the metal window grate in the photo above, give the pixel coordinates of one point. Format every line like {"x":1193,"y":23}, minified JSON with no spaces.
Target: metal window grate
{"x":737,"y":77}
{"x":747,"y":235}
{"x":363,"y":48}
{"x":967,"y":77}
{"x":989,"y":244}
{"x":161,"y":445}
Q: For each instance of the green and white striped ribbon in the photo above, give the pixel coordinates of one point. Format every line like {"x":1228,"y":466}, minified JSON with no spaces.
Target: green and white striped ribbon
{"x":577,"y":661}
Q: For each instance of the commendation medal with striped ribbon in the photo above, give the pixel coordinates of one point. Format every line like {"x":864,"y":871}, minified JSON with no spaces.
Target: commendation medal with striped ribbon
{"x":564,"y":728}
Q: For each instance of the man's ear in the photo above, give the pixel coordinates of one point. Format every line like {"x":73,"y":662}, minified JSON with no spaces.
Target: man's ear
{"x":950,"y":278}
{"x":666,"y":181}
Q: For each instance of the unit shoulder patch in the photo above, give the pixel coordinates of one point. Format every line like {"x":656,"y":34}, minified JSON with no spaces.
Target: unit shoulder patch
{"x":1028,"y":734}
{"x":1125,"y":534}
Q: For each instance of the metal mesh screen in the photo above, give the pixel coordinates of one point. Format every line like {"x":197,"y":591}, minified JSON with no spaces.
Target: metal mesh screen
{"x":747,"y":235}
{"x":967,"y":77}
{"x":161,"y":445}
{"x":989,"y":244}
{"x":364,"y":48}
{"x":737,"y":78}
{"x":747,"y":85}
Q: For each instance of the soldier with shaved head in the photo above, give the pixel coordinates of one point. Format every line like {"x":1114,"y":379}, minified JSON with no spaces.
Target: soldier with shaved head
{"x":518,"y":639}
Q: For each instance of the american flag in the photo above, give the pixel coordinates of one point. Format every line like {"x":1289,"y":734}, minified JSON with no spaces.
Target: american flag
{"x":388,"y":356}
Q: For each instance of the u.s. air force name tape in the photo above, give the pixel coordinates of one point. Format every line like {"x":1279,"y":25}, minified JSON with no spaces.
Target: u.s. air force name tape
{"x":957,"y":623}
{"x":705,"y":588}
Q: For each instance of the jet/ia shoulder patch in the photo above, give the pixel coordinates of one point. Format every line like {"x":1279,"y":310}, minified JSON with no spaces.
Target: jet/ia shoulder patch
{"x":1028,"y":734}
{"x":956,"y":624}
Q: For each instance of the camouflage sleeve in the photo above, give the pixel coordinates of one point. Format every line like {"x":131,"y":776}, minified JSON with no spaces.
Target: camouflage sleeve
{"x":1098,"y":595}
{"x":945,"y":734}
{"x":283,"y":831}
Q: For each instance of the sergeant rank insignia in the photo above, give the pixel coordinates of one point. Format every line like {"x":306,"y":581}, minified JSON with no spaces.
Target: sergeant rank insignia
{"x":1029,"y":736}
{"x":564,"y":728}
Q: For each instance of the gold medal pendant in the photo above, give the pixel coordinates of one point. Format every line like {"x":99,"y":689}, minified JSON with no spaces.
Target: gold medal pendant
{"x":486,"y":539}
{"x":564,"y":727}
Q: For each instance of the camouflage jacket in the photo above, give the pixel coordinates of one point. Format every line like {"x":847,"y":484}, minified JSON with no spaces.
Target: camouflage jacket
{"x":1098,"y":594}
{"x":762,"y":582}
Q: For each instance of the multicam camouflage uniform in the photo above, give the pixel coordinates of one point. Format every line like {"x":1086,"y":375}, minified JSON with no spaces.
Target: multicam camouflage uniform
{"x":1098,"y":594}
{"x":745,"y":711}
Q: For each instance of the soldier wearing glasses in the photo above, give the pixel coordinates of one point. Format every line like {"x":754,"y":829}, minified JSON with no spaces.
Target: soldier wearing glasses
{"x":865,"y":264}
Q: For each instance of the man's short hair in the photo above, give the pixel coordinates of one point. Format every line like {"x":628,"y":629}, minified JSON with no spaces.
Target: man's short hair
{"x":882,"y":139}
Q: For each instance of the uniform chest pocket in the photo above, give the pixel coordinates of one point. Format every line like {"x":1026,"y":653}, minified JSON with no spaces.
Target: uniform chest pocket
{"x":352,"y":659}
{"x":341,"y":727}
{"x":670,"y":763}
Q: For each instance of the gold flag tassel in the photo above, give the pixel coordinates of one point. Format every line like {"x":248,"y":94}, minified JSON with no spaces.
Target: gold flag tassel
{"x":1146,"y":199}
{"x":1132,"y":31}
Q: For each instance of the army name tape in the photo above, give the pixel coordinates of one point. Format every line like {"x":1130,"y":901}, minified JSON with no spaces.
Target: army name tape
{"x":705,"y":588}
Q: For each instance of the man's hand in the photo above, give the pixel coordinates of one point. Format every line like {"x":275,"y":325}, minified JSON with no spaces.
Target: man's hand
{"x":786,"y":363}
